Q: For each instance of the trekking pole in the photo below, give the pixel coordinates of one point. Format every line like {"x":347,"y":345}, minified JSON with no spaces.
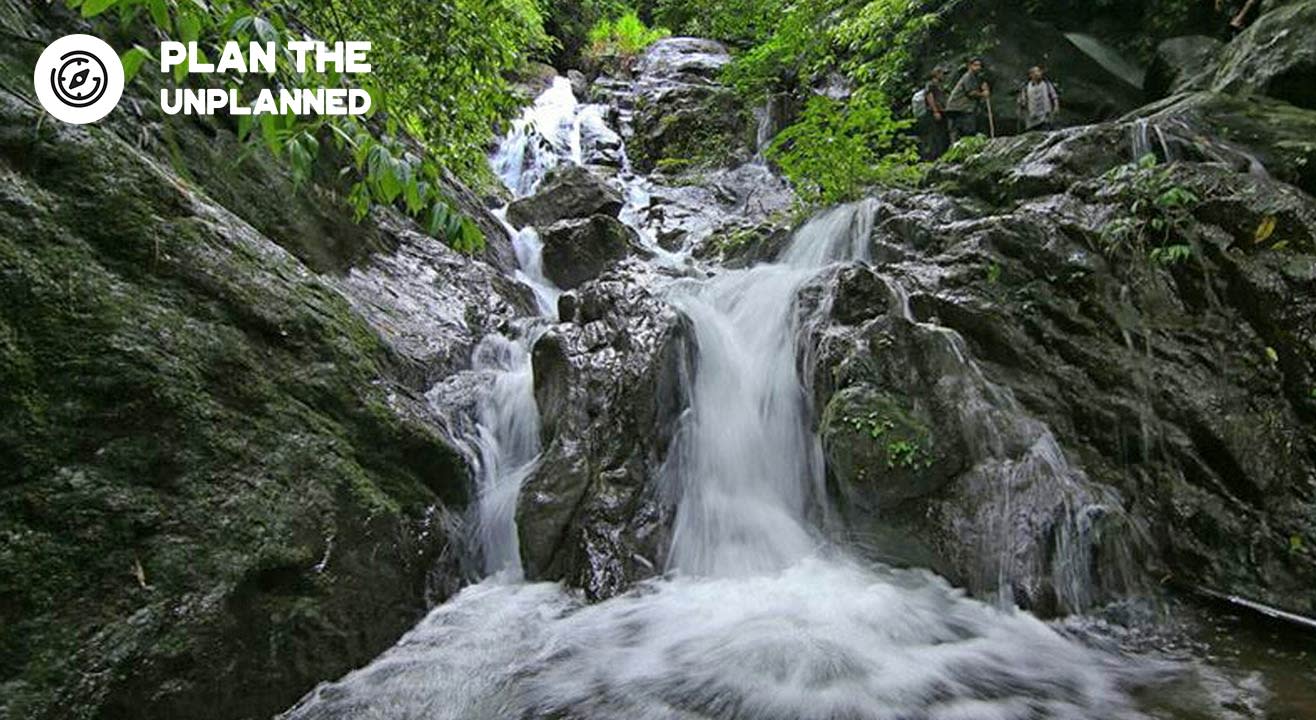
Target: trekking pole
{"x":991,"y":120}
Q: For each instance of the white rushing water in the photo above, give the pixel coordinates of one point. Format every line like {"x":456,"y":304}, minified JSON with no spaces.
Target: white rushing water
{"x":505,"y":440}
{"x":759,"y":616}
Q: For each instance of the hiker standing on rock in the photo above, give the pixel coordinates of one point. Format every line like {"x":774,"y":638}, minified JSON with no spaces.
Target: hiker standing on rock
{"x":930,"y":110}
{"x":1039,"y":103}
{"x":966,"y":101}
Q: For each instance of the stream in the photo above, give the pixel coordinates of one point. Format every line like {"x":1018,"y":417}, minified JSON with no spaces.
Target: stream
{"x":761,"y":613}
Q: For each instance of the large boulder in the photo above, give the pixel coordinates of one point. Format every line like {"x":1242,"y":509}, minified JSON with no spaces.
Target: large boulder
{"x":1181,"y":63}
{"x":217,"y":491}
{"x":683,"y":116}
{"x":571,"y":192}
{"x":1179,"y":394}
{"x":220,"y":482}
{"x":1260,"y":135}
{"x":578,"y":250}
{"x":683,"y":59}
{"x":1095,"y":81}
{"x":609,"y":386}
{"x":1275,"y":56}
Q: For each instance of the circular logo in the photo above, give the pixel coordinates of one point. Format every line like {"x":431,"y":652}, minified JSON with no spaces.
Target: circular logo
{"x":79,"y":79}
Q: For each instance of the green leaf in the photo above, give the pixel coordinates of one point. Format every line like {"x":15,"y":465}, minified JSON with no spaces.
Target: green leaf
{"x":189,"y":26}
{"x":159,"y":14}
{"x":269,"y":131}
{"x":244,"y":127}
{"x":92,"y":8}
{"x":1271,"y":355}
{"x":132,"y":62}
{"x":265,"y":31}
{"x":1264,"y":230}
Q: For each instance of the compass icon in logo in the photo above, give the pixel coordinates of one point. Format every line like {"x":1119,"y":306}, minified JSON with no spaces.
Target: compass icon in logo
{"x":79,"y":79}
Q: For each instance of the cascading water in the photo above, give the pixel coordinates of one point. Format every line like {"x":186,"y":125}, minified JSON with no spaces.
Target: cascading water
{"x":746,"y":466}
{"x":505,"y":439}
{"x":759,"y":615}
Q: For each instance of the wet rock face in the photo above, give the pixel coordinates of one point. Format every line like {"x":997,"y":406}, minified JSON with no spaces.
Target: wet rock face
{"x":1096,"y":82}
{"x":682,"y":115}
{"x":1183,"y":389}
{"x":607,"y":382}
{"x":222,"y":484}
{"x":570,"y":193}
{"x":578,"y":250}
{"x":1275,"y":56}
{"x":218,"y":490}
{"x":1181,"y":63}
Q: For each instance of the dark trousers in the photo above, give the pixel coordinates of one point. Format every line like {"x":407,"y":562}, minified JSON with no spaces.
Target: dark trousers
{"x":962,"y":124}
{"x":935,"y":135}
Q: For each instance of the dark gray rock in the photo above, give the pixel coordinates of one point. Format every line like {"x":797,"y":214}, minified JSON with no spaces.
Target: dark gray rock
{"x":609,"y":391}
{"x":1181,"y":395}
{"x":579,"y":84}
{"x":578,"y":250}
{"x":683,"y":117}
{"x":683,"y":59}
{"x":571,"y":192}
{"x":1182,"y":63}
{"x":1275,"y":56}
{"x":1092,"y":79}
{"x":221,"y":484}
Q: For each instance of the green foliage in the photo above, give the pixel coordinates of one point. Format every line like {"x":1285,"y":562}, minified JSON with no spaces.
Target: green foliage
{"x":569,"y":23}
{"x":626,"y":36}
{"x":872,"y":42}
{"x":437,"y":89}
{"x":837,"y":149}
{"x":878,"y":43}
{"x":901,"y":452}
{"x":1157,"y":213}
{"x":964,"y":149}
{"x":741,"y":23}
{"x":790,"y":56}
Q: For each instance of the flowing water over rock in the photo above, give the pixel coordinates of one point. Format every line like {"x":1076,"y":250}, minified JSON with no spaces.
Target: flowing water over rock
{"x":760,"y":613}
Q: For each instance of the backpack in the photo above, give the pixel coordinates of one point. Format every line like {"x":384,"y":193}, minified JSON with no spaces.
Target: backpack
{"x":919,"y":104}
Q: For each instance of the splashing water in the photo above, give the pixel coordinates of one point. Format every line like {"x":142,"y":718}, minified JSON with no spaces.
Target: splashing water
{"x":507,"y":439}
{"x":759,"y":616}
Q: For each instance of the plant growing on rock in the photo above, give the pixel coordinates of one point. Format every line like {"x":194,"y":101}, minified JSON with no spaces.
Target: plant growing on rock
{"x":838,"y":149}
{"x":624,"y":37}
{"x":1156,"y":213}
{"x":964,"y":149}
{"x":906,"y":453}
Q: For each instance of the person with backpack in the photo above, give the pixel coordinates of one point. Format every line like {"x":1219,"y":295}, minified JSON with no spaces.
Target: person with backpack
{"x":1039,"y":103}
{"x":929,"y":106}
{"x":967,"y":98}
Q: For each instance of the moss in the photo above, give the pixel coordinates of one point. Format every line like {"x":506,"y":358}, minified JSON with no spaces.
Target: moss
{"x":696,"y":129}
{"x":207,"y":484}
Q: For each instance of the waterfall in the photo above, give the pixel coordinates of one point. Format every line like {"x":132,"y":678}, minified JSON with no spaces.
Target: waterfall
{"x":504,"y":441}
{"x":746,"y":466}
{"x":507,"y":443}
{"x":1142,"y":146}
{"x":759,"y":616}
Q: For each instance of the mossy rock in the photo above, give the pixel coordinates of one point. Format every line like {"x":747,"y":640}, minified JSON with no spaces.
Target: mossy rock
{"x":879,"y":447}
{"x":213,"y":494}
{"x":693,"y":127}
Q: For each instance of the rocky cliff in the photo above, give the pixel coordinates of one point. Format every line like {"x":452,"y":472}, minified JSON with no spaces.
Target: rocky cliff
{"x":223,"y":481}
